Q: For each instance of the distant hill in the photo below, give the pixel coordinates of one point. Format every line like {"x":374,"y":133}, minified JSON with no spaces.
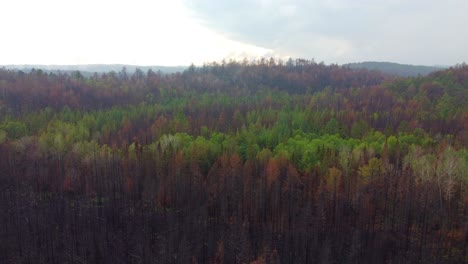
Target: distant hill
{"x":93,"y":68}
{"x":404,"y":70}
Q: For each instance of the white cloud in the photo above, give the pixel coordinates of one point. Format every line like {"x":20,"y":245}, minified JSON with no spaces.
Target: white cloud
{"x":417,"y":31}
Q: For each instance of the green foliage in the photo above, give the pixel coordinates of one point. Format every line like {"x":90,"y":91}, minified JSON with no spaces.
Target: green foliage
{"x":372,"y":170}
{"x":333,"y":127}
{"x":208,"y":116}
{"x":3,"y":136}
{"x":359,"y":129}
{"x":14,"y":129}
{"x":445,"y":107}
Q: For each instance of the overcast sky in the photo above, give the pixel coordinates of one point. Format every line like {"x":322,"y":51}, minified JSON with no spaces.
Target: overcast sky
{"x":179,"y":32}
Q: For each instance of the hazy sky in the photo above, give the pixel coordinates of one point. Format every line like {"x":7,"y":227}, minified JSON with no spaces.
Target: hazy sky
{"x":179,"y":32}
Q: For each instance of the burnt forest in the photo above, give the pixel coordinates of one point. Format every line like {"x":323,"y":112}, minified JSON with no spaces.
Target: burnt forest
{"x":245,"y":161}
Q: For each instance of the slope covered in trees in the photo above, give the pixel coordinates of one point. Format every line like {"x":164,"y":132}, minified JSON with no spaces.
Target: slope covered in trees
{"x":234,"y":162}
{"x":403,"y":70}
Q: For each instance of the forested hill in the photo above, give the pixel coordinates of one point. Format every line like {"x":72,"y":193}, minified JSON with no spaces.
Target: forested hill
{"x":25,"y":91}
{"x":404,"y":70}
{"x":294,"y":76}
{"x":436,"y":103}
{"x":90,"y":69}
{"x":234,"y":162}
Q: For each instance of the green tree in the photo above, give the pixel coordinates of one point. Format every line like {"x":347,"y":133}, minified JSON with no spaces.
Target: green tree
{"x":333,"y":127}
{"x":373,"y":169}
{"x":3,"y":136}
{"x":359,"y":129}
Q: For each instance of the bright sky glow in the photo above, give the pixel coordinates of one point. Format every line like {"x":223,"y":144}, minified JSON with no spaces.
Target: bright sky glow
{"x":140,"y":32}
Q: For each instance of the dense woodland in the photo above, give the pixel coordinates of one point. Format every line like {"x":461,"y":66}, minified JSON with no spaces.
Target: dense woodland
{"x":234,"y":162}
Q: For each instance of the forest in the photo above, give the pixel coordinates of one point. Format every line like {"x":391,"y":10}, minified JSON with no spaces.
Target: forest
{"x":234,"y":162}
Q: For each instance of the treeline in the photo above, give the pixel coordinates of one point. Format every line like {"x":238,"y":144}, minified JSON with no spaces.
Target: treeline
{"x":234,"y":162}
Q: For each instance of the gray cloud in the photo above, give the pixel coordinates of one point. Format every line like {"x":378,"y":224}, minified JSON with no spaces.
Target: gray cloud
{"x":416,"y":31}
